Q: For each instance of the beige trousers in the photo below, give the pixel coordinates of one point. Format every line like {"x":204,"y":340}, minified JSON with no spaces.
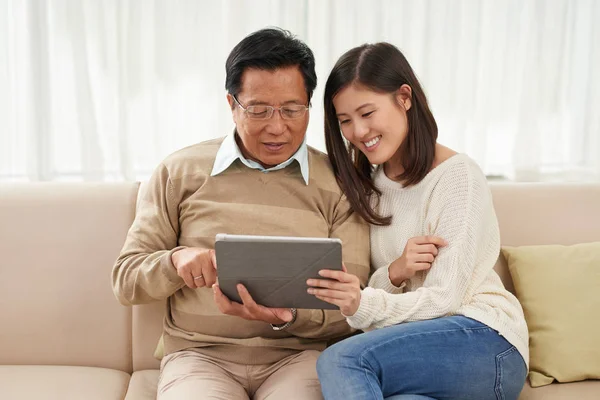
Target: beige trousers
{"x":187,"y":375}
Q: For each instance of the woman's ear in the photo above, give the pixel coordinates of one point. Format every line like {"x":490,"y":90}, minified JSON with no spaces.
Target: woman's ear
{"x":404,"y":96}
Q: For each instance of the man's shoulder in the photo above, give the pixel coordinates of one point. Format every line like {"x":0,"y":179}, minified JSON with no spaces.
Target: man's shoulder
{"x":194,"y":159}
{"x":321,"y":171}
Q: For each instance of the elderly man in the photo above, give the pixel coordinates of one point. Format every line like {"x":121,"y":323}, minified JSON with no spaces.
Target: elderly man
{"x":262,"y":179}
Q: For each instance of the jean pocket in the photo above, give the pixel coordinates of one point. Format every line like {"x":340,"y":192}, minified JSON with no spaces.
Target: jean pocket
{"x":510,"y":374}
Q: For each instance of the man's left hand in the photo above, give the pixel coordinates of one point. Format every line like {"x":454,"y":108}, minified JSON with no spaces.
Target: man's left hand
{"x":249,"y":309}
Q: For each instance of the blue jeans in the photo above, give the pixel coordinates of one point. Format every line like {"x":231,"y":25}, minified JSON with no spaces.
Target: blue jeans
{"x":444,"y":358}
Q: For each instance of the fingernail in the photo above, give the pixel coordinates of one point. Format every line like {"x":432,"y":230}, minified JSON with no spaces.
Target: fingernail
{"x":310,"y":291}
{"x":310,"y":282}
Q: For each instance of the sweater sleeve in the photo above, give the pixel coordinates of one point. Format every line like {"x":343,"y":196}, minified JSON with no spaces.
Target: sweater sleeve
{"x":460,"y":210}
{"x":354,"y":234}
{"x":381,"y":279}
{"x":144,"y":271}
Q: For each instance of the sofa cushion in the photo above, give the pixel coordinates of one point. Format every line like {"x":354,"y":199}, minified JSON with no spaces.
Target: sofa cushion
{"x":143,"y":385}
{"x":587,"y":390}
{"x":558,"y":289}
{"x":61,"y":383}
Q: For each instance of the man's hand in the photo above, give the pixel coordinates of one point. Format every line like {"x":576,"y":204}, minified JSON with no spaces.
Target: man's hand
{"x":196,"y":266}
{"x":341,"y":289}
{"x":418,"y":255}
{"x":249,"y":309}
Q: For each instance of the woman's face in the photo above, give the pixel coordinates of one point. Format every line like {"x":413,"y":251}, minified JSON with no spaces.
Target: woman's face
{"x":373,"y":122}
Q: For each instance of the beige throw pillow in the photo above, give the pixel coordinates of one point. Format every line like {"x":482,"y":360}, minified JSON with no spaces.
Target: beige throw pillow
{"x":559,"y":289}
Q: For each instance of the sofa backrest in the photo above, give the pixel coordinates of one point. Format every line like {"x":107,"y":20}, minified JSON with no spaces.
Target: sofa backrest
{"x":545,"y":213}
{"x":58,"y":243}
{"x":528,"y":214}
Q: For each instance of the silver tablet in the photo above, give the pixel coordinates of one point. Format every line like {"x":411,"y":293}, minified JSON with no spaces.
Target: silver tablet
{"x":274,"y":269}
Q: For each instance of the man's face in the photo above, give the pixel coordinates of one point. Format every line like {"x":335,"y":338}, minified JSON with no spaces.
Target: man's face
{"x":274,"y":140}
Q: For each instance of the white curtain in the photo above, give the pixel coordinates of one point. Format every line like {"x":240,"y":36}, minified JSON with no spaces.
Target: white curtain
{"x":104,"y":89}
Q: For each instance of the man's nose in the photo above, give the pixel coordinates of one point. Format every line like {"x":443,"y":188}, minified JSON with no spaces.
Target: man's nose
{"x":276,"y":124}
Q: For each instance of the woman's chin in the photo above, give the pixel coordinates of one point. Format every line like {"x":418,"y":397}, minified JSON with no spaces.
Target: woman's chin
{"x":374,"y":160}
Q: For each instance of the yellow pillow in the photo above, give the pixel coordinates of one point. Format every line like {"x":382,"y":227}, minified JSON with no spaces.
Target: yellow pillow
{"x":159,"y":351}
{"x":559,"y":289}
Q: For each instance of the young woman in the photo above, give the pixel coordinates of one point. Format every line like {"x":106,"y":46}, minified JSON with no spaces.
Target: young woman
{"x":439,"y":323}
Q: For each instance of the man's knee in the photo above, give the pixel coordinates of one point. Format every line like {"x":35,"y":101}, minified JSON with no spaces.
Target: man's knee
{"x":213,"y":386}
{"x":301,"y":389}
{"x":295,"y":378}
{"x":186,"y":373}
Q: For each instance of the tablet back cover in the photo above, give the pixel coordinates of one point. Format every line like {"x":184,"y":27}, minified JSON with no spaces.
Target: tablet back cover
{"x":275,"y":273}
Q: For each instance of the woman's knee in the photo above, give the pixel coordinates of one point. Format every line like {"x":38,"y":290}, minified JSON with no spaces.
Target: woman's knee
{"x":322,"y":364}
{"x":326,"y":361}
{"x":340,"y":355}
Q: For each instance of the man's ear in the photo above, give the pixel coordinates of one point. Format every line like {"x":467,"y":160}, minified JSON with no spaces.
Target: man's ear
{"x":230,"y":101}
{"x":404,"y":96}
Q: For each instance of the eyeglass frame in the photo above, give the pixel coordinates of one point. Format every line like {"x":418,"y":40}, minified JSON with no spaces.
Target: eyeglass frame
{"x":270,"y":110}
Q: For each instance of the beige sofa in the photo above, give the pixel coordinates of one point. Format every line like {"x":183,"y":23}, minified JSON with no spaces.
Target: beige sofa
{"x":64,"y":336}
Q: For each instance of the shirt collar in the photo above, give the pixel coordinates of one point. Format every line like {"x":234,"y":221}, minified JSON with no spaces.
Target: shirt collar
{"x":229,"y":152}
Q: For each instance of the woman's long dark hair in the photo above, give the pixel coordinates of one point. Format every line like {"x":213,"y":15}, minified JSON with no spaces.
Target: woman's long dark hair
{"x":383,"y":68}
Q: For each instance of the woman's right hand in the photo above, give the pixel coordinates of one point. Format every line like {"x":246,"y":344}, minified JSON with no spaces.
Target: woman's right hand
{"x":419,"y":253}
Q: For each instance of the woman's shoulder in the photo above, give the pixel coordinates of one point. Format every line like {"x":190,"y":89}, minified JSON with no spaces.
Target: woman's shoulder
{"x":451,"y":165}
{"x":449,"y":168}
{"x":460,"y":181}
{"x":456,"y":177}
{"x":442,"y":154}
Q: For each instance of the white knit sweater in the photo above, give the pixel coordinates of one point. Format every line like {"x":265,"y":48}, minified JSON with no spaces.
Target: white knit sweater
{"x":453,"y":202}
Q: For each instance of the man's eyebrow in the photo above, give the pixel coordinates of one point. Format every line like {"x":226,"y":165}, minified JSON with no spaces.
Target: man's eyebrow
{"x":358,"y":108}
{"x":256,"y":103}
{"x":296,"y":101}
{"x":264,"y":103}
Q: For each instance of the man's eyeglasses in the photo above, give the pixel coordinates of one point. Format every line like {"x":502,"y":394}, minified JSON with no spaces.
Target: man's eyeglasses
{"x":290,"y":111}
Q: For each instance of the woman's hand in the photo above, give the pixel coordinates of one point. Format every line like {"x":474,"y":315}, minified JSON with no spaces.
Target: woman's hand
{"x":418,"y":255}
{"x":341,"y":289}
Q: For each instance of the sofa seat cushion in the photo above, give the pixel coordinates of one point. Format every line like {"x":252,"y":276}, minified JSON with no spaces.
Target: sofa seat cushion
{"x":585,"y":390}
{"x":61,"y":383}
{"x":143,"y":385}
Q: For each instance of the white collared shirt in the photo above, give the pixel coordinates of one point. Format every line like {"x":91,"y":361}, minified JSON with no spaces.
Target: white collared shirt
{"x":229,"y":152}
